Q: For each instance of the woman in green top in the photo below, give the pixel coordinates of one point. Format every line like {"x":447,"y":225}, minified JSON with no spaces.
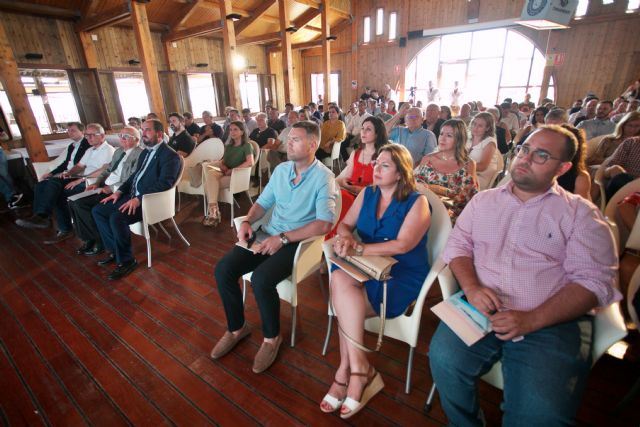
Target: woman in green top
{"x":238,"y":153}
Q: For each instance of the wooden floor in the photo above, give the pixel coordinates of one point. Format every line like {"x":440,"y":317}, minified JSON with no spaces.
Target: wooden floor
{"x":77,"y":349}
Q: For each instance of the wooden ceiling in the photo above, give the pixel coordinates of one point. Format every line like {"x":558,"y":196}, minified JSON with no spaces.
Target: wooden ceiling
{"x":176,"y":19}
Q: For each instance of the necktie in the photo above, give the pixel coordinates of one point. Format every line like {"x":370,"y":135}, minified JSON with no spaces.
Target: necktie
{"x":140,"y":171}
{"x":117,"y":163}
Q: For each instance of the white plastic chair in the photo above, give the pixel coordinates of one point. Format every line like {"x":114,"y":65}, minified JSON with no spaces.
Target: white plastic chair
{"x":330,"y":162}
{"x":306,"y":261}
{"x":157,"y":207}
{"x":264,"y":165}
{"x":494,"y":179}
{"x":406,"y":327}
{"x":608,"y":328}
{"x":592,"y":144}
{"x":257,"y":153}
{"x":240,"y":182}
{"x":41,"y":168}
{"x":208,"y":150}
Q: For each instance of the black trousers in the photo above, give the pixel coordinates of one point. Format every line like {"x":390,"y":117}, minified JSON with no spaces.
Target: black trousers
{"x":616,"y":183}
{"x":83,"y":221}
{"x":268,"y":271}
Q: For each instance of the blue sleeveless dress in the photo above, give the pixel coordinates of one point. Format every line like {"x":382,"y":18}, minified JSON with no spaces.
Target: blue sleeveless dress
{"x":407,"y":276}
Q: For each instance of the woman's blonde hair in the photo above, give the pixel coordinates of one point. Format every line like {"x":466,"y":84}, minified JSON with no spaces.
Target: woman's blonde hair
{"x":460,"y":138}
{"x":489,"y":121}
{"x":404,"y":164}
{"x":629,"y":117}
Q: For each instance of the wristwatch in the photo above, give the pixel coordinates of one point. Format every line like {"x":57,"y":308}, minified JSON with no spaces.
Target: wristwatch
{"x":284,"y":239}
{"x":359,"y":250}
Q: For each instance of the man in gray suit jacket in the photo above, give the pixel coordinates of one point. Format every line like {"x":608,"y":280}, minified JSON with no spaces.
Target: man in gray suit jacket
{"x":122,"y":166}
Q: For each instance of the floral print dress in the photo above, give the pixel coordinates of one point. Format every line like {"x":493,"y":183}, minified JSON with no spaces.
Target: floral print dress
{"x":461,"y":186}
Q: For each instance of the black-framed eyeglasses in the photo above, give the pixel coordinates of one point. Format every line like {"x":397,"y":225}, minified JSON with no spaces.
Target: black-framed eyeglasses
{"x":537,"y":156}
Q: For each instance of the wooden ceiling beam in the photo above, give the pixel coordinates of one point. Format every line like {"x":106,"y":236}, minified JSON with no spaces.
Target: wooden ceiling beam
{"x":197,"y":31}
{"x":316,"y":5}
{"x":185,"y":12}
{"x":229,"y":50}
{"x":312,"y":28}
{"x":263,"y":38}
{"x":38,"y":9}
{"x":241,"y":25}
{"x":306,"y":17}
{"x":113,"y":16}
{"x":89,"y":8}
{"x":316,"y":41}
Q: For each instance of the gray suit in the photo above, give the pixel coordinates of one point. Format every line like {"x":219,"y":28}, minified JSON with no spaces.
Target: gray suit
{"x":81,"y":209}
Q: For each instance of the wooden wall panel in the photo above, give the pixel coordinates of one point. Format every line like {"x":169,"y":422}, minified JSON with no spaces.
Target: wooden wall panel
{"x":117,"y":45}
{"x":297,"y":89}
{"x":197,"y":50}
{"x":54,"y":39}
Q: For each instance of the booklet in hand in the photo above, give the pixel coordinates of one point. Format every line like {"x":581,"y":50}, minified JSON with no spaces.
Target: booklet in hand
{"x":254,"y":244}
{"x":463,"y":318}
{"x":363,"y":268}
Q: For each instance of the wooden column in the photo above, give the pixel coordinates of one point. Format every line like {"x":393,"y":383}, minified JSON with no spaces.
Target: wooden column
{"x":147,"y":59}
{"x":354,"y":52}
{"x":89,"y":49}
{"x":326,"y":52}
{"x":404,"y":31}
{"x":172,"y":82}
{"x":229,"y":49}
{"x":287,"y":67}
{"x":12,"y":84}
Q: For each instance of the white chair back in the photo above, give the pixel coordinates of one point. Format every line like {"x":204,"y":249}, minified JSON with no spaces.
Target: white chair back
{"x":612,"y":204}
{"x":257,"y":153}
{"x":240,"y":182}
{"x":41,"y":168}
{"x":208,"y":150}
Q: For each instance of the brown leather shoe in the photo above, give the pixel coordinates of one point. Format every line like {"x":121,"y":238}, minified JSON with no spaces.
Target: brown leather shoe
{"x":59,"y":237}
{"x":228,"y":341}
{"x":266,"y":355}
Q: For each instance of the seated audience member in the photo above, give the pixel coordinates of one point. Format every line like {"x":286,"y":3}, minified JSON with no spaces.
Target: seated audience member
{"x":122,"y":166}
{"x":577,"y":180}
{"x":262,"y":134}
{"x":233,"y":115}
{"x":588,"y":112}
{"x":383,"y":114}
{"x":349,"y":116}
{"x":157,"y":170}
{"x":536,"y":271}
{"x":576,"y":107}
{"x":288,"y":107}
{"x":482,"y":147}
{"x":134,"y":122}
{"x":527,"y":102}
{"x":180,"y":141}
{"x":515,"y":110}
{"x":414,"y":137}
{"x":600,"y":124}
{"x":13,"y":199}
{"x":445,"y":113}
{"x":238,"y":153}
{"x":372,"y":107}
{"x":509,"y":119}
{"x":303,"y":115}
{"x":50,"y":194}
{"x":353,"y":129}
{"x":628,"y":127}
{"x":623,"y":166}
{"x":556,"y":116}
{"x":302,"y":196}
{"x":632,"y":106}
{"x":278,"y":149}
{"x":210,"y":129}
{"x":358,"y":173}
{"x":465,"y":114}
{"x":450,"y":172}
{"x":537,"y":120}
{"x":391,"y":219}
{"x":190,"y":125}
{"x":432,"y":120}
{"x":633,"y":91}
{"x":503,"y":136}
{"x":332,"y":131}
{"x":249,"y":122}
{"x":619,"y":107}
{"x":391,"y":107}
{"x":315,"y":114}
{"x":275,"y":122}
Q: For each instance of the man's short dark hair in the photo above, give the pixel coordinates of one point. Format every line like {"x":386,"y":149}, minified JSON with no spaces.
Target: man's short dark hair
{"x":152,"y":115}
{"x":310,"y":128}
{"x":246,"y":111}
{"x":606,"y":102}
{"x":313,"y":105}
{"x":288,"y":104}
{"x":134,"y":119}
{"x":177,"y":115}
{"x":187,"y":115}
{"x":570,"y":141}
{"x":79,"y":125}
{"x":157,"y":125}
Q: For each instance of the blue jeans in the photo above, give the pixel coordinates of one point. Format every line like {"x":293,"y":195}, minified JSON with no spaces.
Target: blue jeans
{"x":6,"y":184}
{"x":544,"y":374}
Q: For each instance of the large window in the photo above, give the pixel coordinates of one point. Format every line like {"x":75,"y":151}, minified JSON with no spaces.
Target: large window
{"x":317,"y":86}
{"x":250,"y":92}
{"x":132,"y":94}
{"x":202,"y":94}
{"x":487,"y":65}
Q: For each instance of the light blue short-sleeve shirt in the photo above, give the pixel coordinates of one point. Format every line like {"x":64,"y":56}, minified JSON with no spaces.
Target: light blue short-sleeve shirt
{"x":296,"y":205}
{"x":420,"y":142}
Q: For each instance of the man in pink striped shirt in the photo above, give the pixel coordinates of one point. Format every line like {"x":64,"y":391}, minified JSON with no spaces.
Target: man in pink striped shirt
{"x":535,"y":260}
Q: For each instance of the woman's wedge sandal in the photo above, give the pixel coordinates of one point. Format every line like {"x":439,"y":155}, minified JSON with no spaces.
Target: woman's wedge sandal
{"x":332,"y":401}
{"x":373,"y":386}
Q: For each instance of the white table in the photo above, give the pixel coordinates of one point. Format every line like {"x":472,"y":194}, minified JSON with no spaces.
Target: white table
{"x":54,"y":149}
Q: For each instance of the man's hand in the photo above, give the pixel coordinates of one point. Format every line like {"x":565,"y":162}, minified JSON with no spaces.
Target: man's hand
{"x":270,"y":245}
{"x":73,"y":184}
{"x":511,"y":324}
{"x":244,"y":231}
{"x":91,"y":187}
{"x":112,"y":198}
{"x":130,"y":207}
{"x":484,"y":299}
{"x":105,"y":190}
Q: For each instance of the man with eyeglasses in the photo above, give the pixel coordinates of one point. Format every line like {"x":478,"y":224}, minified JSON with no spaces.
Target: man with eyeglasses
{"x":51,"y":195}
{"x":122,"y":166}
{"x":414,"y":137}
{"x":535,"y":259}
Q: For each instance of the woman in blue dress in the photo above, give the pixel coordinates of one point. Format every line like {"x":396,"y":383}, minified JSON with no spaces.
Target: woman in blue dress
{"x":392,"y":219}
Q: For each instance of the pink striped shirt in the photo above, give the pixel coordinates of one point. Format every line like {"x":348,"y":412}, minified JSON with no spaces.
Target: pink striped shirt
{"x":527,"y":251}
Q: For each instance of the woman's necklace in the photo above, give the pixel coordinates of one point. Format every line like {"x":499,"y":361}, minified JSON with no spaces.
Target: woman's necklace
{"x":445,"y":158}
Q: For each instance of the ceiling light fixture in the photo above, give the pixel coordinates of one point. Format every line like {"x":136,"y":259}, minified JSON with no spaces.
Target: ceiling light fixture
{"x":291,"y":29}
{"x":332,"y":38}
{"x":234,"y":17}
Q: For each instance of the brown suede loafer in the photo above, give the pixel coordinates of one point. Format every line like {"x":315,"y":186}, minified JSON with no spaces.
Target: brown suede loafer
{"x":266,"y":355}
{"x":228,"y":341}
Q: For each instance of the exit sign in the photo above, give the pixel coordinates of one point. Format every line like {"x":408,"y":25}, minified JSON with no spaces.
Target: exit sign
{"x":555,"y":59}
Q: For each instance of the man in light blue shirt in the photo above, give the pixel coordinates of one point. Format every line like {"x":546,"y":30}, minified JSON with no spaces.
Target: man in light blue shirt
{"x":301,"y":195}
{"x":600,"y":124}
{"x":414,"y":137}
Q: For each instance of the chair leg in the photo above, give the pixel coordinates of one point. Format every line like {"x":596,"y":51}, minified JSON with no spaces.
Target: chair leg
{"x":429,"y":403}
{"x":231,"y":225}
{"x":186,"y":242}
{"x":179,"y":200}
{"x":244,"y":291}
{"x":148,"y":252}
{"x":407,"y":386}
{"x":293,"y":326}
{"x":248,"y":197}
{"x":327,"y":336}
{"x":166,"y":233}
